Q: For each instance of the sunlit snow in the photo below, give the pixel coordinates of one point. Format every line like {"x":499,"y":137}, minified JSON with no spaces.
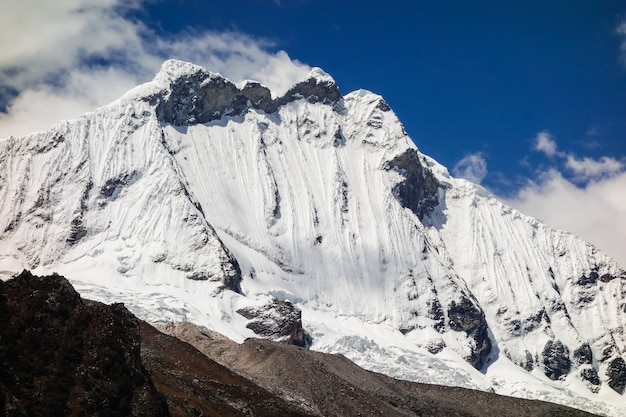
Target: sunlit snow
{"x":130,"y":209}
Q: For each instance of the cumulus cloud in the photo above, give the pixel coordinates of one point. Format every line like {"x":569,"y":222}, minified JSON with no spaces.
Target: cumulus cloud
{"x":237,"y":57}
{"x":472,"y":167}
{"x":40,"y":40}
{"x":61,"y":59}
{"x":545,"y":143}
{"x":41,"y":105}
{"x":584,"y":196}
{"x":595,"y":212}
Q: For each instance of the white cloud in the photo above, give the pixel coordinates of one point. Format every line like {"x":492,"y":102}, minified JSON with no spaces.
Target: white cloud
{"x":588,"y":168}
{"x":596,"y":212}
{"x":237,"y":57}
{"x":41,"y":39}
{"x":38,"y":107}
{"x":49,"y":55}
{"x":583,"y":169}
{"x":584,"y":196}
{"x":472,"y":167}
{"x":545,"y":143}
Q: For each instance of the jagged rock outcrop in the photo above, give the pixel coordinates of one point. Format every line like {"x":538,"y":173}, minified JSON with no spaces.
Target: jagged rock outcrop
{"x":467,"y":316}
{"x":616,"y":371}
{"x":419,"y":189}
{"x":279,"y":321}
{"x":202,"y":96}
{"x":556,"y":360}
{"x":60,"y":355}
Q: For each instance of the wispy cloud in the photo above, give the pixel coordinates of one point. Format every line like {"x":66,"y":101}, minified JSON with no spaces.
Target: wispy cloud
{"x":472,"y":167}
{"x":588,"y":168}
{"x":582,"y":169}
{"x":545,"y":143}
{"x":61,"y":59}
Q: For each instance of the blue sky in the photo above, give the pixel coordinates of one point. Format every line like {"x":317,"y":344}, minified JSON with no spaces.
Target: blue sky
{"x":463,"y":77}
{"x":527,"y":98}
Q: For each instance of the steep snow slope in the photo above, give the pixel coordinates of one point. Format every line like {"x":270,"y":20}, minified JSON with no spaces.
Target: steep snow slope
{"x":193,"y":198}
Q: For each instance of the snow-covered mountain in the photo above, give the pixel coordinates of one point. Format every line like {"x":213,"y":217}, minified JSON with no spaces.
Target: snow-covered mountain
{"x":195,"y":198}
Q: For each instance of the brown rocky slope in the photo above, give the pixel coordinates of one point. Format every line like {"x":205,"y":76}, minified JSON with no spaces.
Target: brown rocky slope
{"x":62,"y":355}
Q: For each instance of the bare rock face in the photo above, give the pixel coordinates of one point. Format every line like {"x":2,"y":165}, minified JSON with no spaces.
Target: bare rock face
{"x":62,"y":356}
{"x":419,"y":189}
{"x":556,"y":359}
{"x":201,"y":96}
{"x":314,"y":91}
{"x":616,"y":372}
{"x":466,"y":316}
{"x":279,"y":321}
{"x":583,"y":358}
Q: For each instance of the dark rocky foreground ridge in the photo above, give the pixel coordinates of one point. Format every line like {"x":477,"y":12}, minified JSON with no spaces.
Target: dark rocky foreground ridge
{"x":62,"y":355}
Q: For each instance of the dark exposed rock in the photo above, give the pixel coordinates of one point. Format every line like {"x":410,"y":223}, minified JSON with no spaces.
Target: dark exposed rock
{"x":514,"y":326}
{"x":279,"y":320}
{"x":607,"y":278}
{"x":312,"y":90}
{"x":583,"y":355}
{"x":466,"y":316}
{"x":435,"y":312}
{"x":62,"y":356}
{"x":529,"y":362}
{"x":556,"y":360}
{"x":419,"y":189}
{"x":590,"y":375}
{"x":590,"y":279}
{"x":51,"y":143}
{"x":259,"y":96}
{"x":201,"y":97}
{"x":616,"y":371}
{"x":339,"y":140}
{"x":382,"y":105}
{"x":232,"y":273}
{"x":77,"y":230}
{"x":195,"y":385}
{"x":230,"y":280}
{"x":113,"y":186}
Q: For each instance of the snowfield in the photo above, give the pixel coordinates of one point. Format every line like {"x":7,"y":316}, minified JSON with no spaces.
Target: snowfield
{"x":191,"y":198}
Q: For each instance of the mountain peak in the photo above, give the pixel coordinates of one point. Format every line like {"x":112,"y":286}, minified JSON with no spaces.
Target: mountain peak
{"x":322,"y":200}
{"x":191,"y":94}
{"x":320,"y":75}
{"x":174,"y":69}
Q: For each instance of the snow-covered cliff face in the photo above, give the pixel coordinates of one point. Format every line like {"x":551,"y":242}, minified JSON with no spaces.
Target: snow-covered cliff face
{"x":194,"y":198}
